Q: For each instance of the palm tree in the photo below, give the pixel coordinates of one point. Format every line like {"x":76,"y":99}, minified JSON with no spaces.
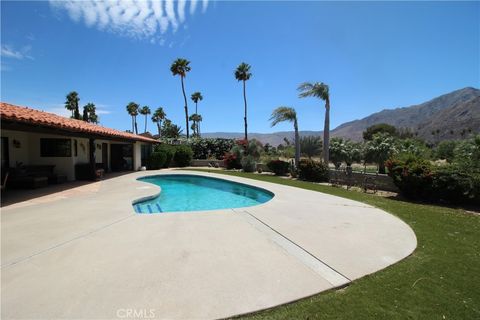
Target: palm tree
{"x":282,"y":114}
{"x":93,"y":118}
{"x":132,"y":109}
{"x":196,"y":118}
{"x":196,"y":96}
{"x":321,"y":91}
{"x":145,"y":111}
{"x":72,"y":104}
{"x":89,"y":113}
{"x":170,"y":130}
{"x":180,"y":67}
{"x":242,"y":73}
{"x":158,"y":116}
{"x":310,"y":146}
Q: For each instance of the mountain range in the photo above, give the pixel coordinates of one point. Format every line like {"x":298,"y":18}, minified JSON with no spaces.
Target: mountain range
{"x":454,"y":115}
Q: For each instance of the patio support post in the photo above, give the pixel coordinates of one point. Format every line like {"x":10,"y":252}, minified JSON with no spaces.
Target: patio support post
{"x":92,"y":157}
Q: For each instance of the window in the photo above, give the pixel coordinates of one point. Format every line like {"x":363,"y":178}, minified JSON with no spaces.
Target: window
{"x":146,"y":150}
{"x":75,"y":148}
{"x":55,"y":147}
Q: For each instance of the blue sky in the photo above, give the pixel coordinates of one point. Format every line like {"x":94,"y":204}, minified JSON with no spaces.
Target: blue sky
{"x":374,"y":55}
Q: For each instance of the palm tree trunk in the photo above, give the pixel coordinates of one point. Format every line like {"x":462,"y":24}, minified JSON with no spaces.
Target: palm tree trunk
{"x":145,"y":123}
{"x":159,"y":129}
{"x":326,"y":132}
{"x":136,"y":128}
{"x":297,"y":144}
{"x":186,"y":108}
{"x":245,"y":118}
{"x":195,"y":122}
{"x":133,"y":125}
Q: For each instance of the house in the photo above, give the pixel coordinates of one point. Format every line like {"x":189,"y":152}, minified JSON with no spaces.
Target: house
{"x":33,"y":138}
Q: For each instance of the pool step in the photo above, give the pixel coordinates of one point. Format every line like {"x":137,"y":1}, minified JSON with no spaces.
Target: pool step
{"x":147,"y":208}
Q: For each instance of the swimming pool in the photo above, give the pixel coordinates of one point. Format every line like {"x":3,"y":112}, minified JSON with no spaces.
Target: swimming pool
{"x":182,"y":192}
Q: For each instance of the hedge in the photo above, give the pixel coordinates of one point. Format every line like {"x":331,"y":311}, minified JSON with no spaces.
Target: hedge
{"x":310,"y":170}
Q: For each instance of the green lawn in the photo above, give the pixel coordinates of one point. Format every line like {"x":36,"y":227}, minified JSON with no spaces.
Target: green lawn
{"x":440,"y":280}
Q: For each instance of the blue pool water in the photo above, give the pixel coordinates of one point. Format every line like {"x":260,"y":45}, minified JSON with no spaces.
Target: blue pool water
{"x":196,"y":193}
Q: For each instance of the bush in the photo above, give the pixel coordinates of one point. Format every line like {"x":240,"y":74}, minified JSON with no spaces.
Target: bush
{"x":279,"y":167}
{"x":312,"y":171}
{"x":156,"y":160}
{"x":418,"y":179}
{"x":248,"y":164}
{"x":452,"y":185}
{"x":412,"y":175}
{"x":231,"y":161}
{"x":183,"y":155}
{"x":204,"y":148}
{"x":169,"y":152}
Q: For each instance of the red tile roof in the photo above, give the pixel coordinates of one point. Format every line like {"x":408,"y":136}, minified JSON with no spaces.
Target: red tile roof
{"x":36,"y":117}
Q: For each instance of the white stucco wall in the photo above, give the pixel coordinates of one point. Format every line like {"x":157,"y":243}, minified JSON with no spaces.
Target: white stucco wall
{"x":29,"y":152}
{"x":17,"y":154}
{"x":137,"y":156}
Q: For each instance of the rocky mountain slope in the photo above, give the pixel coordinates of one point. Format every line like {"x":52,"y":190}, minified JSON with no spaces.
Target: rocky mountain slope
{"x":422,"y":118}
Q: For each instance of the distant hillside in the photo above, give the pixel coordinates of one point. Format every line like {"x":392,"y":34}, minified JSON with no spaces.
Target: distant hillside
{"x":449,"y":114}
{"x":456,"y":122}
{"x":415,"y":117}
{"x":273,"y":139}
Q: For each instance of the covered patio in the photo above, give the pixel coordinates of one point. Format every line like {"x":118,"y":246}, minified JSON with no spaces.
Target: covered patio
{"x":40,"y":148}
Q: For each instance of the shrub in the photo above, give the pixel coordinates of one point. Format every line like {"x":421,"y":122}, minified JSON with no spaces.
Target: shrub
{"x":453,"y":185}
{"x":310,"y":170}
{"x":412,"y":175}
{"x":231,"y":161}
{"x":418,"y":179}
{"x":279,"y":167}
{"x":169,"y":152}
{"x":248,"y":164}
{"x":445,"y":150}
{"x":183,"y":155}
{"x":204,"y":148}
{"x":156,"y":160}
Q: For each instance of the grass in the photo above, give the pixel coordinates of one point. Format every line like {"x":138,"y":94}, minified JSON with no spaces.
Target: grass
{"x":440,"y":280}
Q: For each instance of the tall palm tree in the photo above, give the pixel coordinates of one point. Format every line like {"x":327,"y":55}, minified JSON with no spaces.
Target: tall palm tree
{"x":145,"y":110}
{"x":132,"y":109}
{"x":196,"y":96}
{"x":196,"y":119}
{"x":72,"y":104}
{"x":158,"y":116}
{"x":282,"y":114}
{"x":242,"y":73}
{"x":319,"y":90}
{"x":180,"y":67}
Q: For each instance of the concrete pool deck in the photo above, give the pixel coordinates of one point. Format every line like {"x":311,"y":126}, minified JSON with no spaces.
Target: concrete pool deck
{"x":86,"y":254}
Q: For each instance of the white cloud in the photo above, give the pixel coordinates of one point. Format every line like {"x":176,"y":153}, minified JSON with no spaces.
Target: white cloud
{"x":193,"y":5}
{"x":140,"y":19}
{"x":8,"y":51}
